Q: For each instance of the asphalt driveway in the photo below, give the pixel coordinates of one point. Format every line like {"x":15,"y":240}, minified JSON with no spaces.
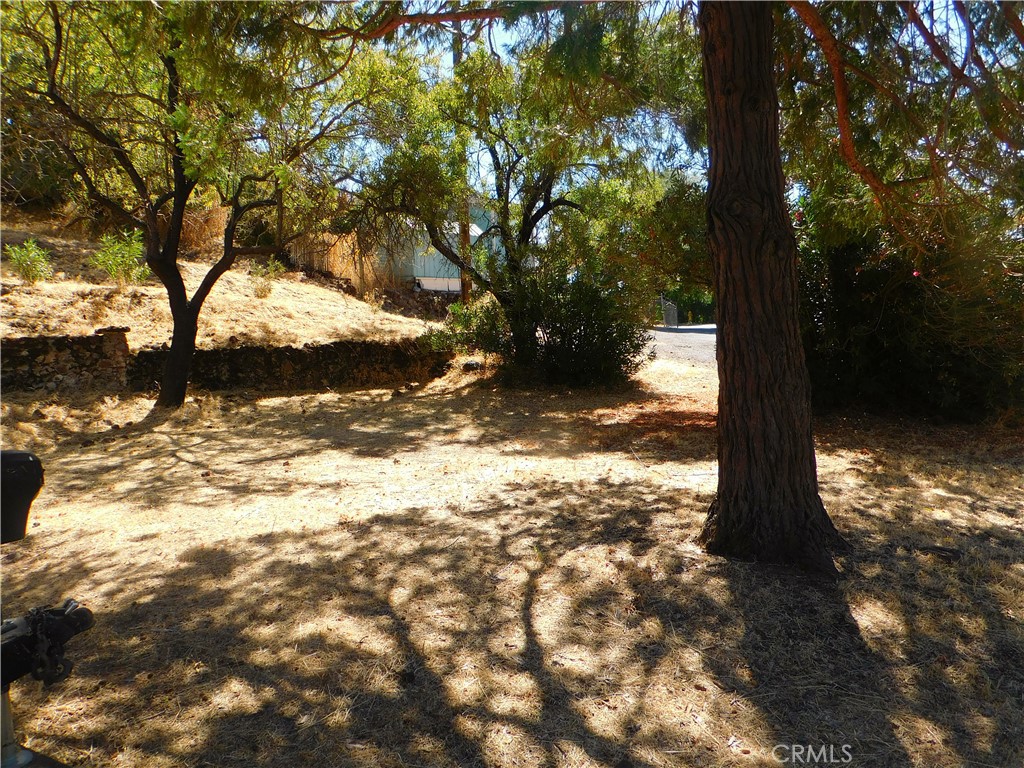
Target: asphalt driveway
{"x":694,"y":344}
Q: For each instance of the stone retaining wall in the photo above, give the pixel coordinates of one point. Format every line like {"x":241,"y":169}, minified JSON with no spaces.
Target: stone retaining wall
{"x":63,"y":363}
{"x":291,"y":369}
{"x":103,"y":362}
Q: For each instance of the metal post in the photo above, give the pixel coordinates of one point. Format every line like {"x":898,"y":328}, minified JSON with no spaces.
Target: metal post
{"x":13,"y":755}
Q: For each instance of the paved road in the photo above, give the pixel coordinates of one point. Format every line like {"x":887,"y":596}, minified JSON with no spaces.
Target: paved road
{"x":694,"y":344}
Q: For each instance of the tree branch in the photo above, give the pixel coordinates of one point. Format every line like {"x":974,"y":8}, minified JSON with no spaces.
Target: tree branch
{"x":182,"y":186}
{"x":1012,"y":108}
{"x":230,"y":252}
{"x":812,"y":19}
{"x":959,"y":75}
{"x":386,"y":21}
{"x":95,"y":195}
{"x":539,"y":191}
{"x":934,"y":158}
{"x":500,"y":182}
{"x":445,"y":249}
{"x":549,"y":206}
{"x":334,"y":73}
{"x":98,"y":134}
{"x":1013,"y":20}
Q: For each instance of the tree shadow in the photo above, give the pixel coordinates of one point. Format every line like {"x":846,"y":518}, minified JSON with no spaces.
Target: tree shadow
{"x":799,"y":655}
{"x":229,"y":446}
{"x":422,"y":638}
{"x":936,"y":579}
{"x":554,"y":623}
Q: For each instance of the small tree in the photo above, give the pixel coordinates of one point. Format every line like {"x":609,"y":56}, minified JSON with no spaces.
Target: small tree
{"x":538,"y":150}
{"x":147,"y":102}
{"x":120,"y":257}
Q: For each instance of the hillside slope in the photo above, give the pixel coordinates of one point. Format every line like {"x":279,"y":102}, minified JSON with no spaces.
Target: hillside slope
{"x":78,"y":299}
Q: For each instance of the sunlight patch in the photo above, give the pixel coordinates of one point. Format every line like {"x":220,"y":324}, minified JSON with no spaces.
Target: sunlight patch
{"x":882,"y":628}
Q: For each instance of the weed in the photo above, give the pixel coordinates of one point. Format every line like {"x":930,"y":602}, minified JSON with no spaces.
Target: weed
{"x":120,"y":256}
{"x":375,"y":299}
{"x":262,"y":277}
{"x":30,"y":261}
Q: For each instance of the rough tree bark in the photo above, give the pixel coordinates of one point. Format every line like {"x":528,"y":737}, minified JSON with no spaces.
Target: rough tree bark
{"x":162,"y":257}
{"x":767,"y":507}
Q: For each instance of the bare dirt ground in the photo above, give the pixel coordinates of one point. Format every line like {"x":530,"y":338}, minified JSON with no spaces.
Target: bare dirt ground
{"x":465,"y":575}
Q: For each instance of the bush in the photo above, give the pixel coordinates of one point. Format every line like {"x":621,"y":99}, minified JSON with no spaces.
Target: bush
{"x":262,"y":277}
{"x":573,"y":324}
{"x":478,"y":326}
{"x":120,"y":256}
{"x":30,"y":261}
{"x":591,"y":329}
{"x":933,"y":333}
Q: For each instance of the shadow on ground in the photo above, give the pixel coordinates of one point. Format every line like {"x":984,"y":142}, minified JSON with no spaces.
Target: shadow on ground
{"x":232,"y":447}
{"x":560,"y":624}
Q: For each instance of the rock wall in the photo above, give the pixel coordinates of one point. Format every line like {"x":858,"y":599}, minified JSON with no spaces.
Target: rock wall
{"x":103,"y":362}
{"x":63,"y":363}
{"x":295,"y":369}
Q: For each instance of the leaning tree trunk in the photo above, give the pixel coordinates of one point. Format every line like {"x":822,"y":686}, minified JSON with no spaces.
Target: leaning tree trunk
{"x":767,"y":507}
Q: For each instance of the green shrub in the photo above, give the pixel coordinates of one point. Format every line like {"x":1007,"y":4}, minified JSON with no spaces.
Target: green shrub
{"x":262,"y":277}
{"x":477,"y":326}
{"x":591,"y":328}
{"x":30,"y":261}
{"x":563,"y":322}
{"x":120,"y":256}
{"x":932,"y":333}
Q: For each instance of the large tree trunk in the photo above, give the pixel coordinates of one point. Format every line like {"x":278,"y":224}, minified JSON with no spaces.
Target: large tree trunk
{"x":767,"y":507}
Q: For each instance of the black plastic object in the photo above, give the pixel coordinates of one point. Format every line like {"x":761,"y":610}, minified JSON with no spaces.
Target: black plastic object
{"x":21,"y":477}
{"x":34,"y":643}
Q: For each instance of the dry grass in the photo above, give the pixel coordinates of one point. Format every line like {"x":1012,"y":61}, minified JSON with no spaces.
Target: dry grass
{"x":78,"y":301}
{"x":463,"y":575}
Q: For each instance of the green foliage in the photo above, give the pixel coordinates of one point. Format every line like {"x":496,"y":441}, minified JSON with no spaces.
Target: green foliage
{"x":564,"y":188}
{"x":578,"y":50}
{"x":905,"y":104}
{"x":34,"y":171}
{"x":477,"y":326}
{"x":678,"y":231}
{"x":262,"y":276}
{"x":567,"y":321}
{"x":592,"y":328}
{"x":120,"y":256}
{"x":934,"y":333}
{"x":30,"y":261}
{"x":913,"y":300}
{"x":695,"y":305}
{"x":653,"y":229}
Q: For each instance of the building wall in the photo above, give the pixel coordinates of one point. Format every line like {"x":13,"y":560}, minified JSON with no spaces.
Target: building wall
{"x":426,"y":265}
{"x":341,"y":257}
{"x":419,"y":261}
